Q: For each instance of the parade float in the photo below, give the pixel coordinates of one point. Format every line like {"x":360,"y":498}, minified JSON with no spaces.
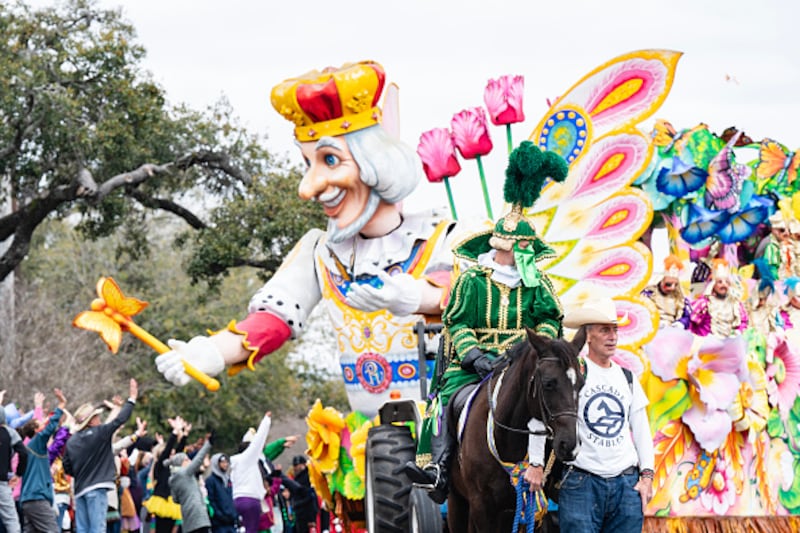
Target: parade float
{"x":724,"y":412}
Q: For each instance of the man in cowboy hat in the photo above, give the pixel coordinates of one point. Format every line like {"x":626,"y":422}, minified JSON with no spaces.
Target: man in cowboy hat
{"x":89,"y":459}
{"x":616,"y":445}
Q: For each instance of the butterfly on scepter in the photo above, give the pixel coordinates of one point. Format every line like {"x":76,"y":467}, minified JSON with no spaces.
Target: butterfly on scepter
{"x":778,"y":165}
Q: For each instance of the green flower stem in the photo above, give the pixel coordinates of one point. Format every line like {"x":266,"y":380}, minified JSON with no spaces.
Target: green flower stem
{"x":485,"y":190}
{"x":450,"y":198}
{"x":508,"y":138}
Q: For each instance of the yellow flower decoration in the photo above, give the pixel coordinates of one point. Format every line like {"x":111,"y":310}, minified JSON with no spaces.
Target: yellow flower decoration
{"x":358,"y":448}
{"x":320,"y":483}
{"x":324,"y":436}
{"x":750,"y":407}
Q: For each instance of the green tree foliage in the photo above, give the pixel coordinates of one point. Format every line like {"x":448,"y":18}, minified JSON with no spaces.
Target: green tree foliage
{"x":84,"y":129}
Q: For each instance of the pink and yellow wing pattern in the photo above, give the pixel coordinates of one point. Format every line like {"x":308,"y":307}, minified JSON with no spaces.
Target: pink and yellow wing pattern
{"x":594,"y":126}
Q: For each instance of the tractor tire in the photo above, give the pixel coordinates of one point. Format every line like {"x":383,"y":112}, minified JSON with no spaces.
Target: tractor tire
{"x":425,"y":515}
{"x":386,"y":501}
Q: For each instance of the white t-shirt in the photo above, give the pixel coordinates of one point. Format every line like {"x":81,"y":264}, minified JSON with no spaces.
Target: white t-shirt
{"x":604,"y":406}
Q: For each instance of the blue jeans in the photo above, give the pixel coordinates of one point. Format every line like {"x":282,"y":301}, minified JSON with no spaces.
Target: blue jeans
{"x":594,"y":504}
{"x":90,"y":511}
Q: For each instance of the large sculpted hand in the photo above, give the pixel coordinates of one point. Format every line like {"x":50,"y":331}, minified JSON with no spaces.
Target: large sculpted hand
{"x":400,"y":294}
{"x":200,"y":352}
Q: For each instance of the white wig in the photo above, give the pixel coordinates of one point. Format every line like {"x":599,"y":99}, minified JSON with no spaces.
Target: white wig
{"x":388,"y":165}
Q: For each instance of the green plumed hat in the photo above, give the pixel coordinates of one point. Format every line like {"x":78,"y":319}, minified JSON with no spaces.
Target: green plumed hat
{"x":528,"y":170}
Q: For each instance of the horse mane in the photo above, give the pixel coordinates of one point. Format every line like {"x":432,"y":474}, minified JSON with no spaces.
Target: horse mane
{"x":560,"y":348}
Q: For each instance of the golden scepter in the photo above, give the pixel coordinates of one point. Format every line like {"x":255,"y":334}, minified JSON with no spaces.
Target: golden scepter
{"x":111,"y":314}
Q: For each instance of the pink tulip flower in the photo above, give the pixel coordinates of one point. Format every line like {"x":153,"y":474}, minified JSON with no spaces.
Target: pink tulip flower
{"x":438,"y":154}
{"x":470,"y":133}
{"x":503,"y":98}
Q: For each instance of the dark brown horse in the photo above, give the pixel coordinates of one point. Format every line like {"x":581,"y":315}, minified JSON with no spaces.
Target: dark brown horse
{"x":540,"y":380}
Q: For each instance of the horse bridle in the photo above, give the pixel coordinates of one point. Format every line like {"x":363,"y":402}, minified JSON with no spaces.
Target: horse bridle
{"x":538,"y":394}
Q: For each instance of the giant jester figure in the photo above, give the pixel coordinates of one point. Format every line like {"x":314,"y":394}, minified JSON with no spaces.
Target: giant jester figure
{"x":376,"y":268}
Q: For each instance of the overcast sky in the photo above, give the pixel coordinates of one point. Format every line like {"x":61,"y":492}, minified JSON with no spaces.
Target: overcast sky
{"x":740,"y":65}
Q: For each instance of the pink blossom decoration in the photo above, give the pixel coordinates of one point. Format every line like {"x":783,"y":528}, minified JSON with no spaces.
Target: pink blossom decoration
{"x":470,"y":133}
{"x":503,"y":98}
{"x":438,"y":154}
{"x":711,"y":372}
{"x":720,"y":494}
{"x":783,"y":374}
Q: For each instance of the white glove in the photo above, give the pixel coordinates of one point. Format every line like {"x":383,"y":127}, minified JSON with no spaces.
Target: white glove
{"x":400,"y":294}
{"x":200,"y":352}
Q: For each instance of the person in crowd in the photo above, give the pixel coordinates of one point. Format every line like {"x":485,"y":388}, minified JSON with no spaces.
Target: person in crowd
{"x":185,"y":489}
{"x":718,"y":311}
{"x":246,"y":476}
{"x":304,"y":500}
{"x":672,"y":304}
{"x":37,"y":485}
{"x":160,"y":503}
{"x":606,"y":488}
{"x":220,"y":495}
{"x":10,"y":445}
{"x":89,"y":459}
{"x":288,"y":519}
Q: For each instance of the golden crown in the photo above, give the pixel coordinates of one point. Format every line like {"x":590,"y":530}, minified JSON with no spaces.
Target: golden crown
{"x":332,"y":102}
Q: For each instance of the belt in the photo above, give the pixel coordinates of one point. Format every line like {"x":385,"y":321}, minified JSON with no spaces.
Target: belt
{"x":628,"y":471}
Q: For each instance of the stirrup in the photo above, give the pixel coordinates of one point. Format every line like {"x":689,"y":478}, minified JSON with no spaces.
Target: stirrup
{"x":430,"y":486}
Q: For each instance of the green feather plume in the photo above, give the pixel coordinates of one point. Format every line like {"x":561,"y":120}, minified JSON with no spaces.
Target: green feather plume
{"x":528,"y":168}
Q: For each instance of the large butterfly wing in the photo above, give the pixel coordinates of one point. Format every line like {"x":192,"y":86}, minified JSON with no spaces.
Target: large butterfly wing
{"x":110,"y":292}
{"x":100,"y":323}
{"x":771,"y":159}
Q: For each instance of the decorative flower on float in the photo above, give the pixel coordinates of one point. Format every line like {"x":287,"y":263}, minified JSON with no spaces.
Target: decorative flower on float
{"x":471,"y":137}
{"x":437,"y":151}
{"x":750,"y":407}
{"x":470,"y":133}
{"x":320,"y":484}
{"x":503,"y":99}
{"x":720,"y":494}
{"x":358,"y":448}
{"x":706,"y":370}
{"x":783,"y":374}
{"x":324,"y":436}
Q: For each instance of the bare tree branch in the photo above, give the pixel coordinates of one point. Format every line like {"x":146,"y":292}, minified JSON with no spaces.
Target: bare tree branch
{"x":22,"y":223}
{"x":168,"y":205}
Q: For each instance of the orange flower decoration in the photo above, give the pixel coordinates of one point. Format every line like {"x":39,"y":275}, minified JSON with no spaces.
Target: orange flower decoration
{"x":324,"y":436}
{"x":110,"y":312}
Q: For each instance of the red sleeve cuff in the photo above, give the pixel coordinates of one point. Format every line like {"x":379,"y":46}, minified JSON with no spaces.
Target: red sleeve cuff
{"x":263,"y":334}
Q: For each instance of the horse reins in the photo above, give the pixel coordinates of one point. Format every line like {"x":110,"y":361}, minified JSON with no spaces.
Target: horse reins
{"x":545,"y":411}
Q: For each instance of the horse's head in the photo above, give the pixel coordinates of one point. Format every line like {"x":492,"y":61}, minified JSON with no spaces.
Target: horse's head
{"x":553,"y":392}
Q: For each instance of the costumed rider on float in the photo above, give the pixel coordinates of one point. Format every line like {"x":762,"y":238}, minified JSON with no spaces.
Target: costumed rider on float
{"x":491,"y":305}
{"x":375,"y":268}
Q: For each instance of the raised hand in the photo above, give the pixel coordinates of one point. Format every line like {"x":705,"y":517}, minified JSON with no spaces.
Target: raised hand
{"x":62,"y":400}
{"x":141,"y":427}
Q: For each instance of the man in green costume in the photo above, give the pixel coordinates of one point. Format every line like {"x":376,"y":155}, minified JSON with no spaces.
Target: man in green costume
{"x":492,"y":303}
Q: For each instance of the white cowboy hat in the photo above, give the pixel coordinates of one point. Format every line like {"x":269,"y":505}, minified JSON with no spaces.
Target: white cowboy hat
{"x":595,"y":311}
{"x":83,"y":415}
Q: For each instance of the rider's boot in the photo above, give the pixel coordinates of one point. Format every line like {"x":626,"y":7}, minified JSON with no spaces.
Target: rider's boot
{"x":434,"y":476}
